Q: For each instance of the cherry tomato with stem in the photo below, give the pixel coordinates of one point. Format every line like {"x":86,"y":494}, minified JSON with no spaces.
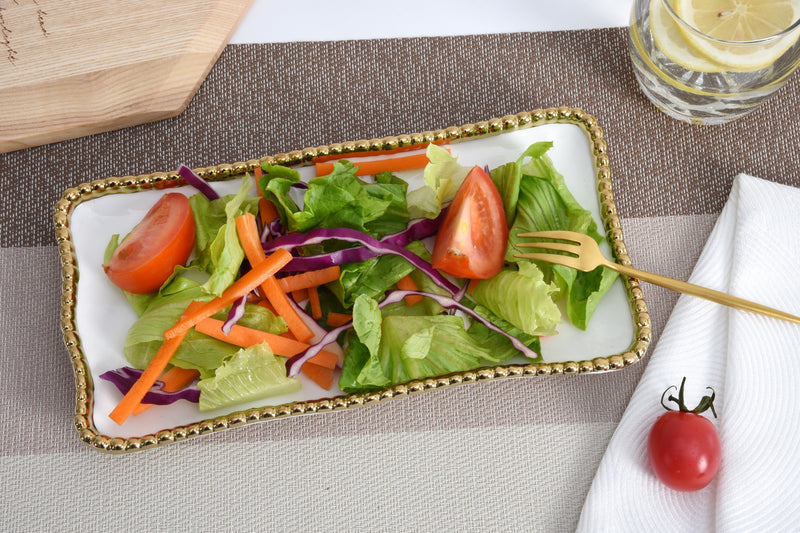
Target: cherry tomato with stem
{"x":471,"y":242}
{"x":163,"y":239}
{"x":683,"y":446}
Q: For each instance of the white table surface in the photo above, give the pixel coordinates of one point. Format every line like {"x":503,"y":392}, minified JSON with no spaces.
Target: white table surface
{"x":317,"y":20}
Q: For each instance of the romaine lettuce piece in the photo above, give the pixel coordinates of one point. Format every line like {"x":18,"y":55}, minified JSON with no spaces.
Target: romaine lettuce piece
{"x":395,"y":349}
{"x":197,"y":351}
{"x":545,"y":203}
{"x":522,"y":297}
{"x":375,"y":276}
{"x":443,"y":176}
{"x":250,"y":374}
{"x":507,"y":179}
{"x":340,"y":200}
{"x":501,"y":347}
{"x":216,"y":243}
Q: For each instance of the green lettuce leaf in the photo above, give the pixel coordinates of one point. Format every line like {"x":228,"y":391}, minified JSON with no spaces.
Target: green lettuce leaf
{"x":339,"y":200}
{"x":393,"y":349}
{"x":443,"y":176}
{"x":216,"y":243}
{"x":521,"y":297}
{"x":545,"y":203}
{"x":249,"y":374}
{"x":197,"y":351}
{"x":499,"y":345}
{"x":373,"y":277}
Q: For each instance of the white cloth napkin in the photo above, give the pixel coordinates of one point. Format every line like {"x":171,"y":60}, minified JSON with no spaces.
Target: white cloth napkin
{"x":753,"y":363}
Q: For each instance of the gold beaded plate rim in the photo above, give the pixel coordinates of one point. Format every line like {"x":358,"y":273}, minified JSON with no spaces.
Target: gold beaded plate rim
{"x":72,"y":197}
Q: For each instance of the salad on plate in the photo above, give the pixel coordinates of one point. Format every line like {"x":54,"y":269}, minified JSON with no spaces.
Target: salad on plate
{"x":350,"y":279}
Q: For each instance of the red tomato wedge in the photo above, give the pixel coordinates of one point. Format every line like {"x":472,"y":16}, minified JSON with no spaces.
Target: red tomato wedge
{"x":471,"y":242}
{"x":148,"y":255}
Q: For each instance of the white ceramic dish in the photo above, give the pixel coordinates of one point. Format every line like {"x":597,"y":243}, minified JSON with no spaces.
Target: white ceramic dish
{"x":102,"y":315}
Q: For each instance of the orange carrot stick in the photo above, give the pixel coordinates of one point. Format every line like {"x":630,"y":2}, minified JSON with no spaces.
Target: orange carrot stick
{"x":267,"y":211}
{"x":312,"y":278}
{"x":285,"y":310}
{"x":313,"y":300}
{"x":245,"y":337}
{"x":320,"y":375}
{"x":369,"y":168}
{"x":472,"y":284}
{"x":407,"y":284}
{"x":265,"y":304}
{"x":174,"y":380}
{"x":338,"y":319}
{"x":245,"y":284}
{"x":249,"y":238}
{"x":128,"y":404}
{"x":299,"y":295}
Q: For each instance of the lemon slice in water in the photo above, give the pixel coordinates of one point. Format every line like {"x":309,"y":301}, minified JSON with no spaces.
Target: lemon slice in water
{"x":739,"y":20}
{"x":670,"y":40}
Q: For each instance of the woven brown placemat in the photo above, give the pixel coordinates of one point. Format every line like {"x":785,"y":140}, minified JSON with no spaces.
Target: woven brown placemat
{"x":262,"y":99}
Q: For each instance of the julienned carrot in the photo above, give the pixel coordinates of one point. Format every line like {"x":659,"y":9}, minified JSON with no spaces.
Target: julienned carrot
{"x":251,"y":243}
{"x":313,"y":300}
{"x":311,"y":278}
{"x":245,"y":284}
{"x":320,"y":375}
{"x":128,"y":404}
{"x":245,"y":337}
{"x":370,"y":168}
{"x":284,"y":309}
{"x":472,"y":284}
{"x":299,"y":295}
{"x":338,"y":319}
{"x":257,"y":173}
{"x":390,"y":151}
{"x":174,"y":380}
{"x":407,"y":284}
{"x":267,"y":211}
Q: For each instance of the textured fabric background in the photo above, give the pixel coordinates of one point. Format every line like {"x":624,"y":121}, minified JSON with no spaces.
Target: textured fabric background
{"x":511,"y":455}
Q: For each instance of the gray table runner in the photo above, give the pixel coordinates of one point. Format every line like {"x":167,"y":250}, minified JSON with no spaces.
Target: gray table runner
{"x":509,"y":455}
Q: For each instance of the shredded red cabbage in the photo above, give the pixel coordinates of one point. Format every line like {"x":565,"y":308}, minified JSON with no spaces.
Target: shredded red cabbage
{"x":234,"y":314}
{"x":124,"y":378}
{"x":316,"y":329}
{"x":369,"y":244}
{"x":272,"y":230}
{"x":197,"y":182}
{"x":295,"y":363}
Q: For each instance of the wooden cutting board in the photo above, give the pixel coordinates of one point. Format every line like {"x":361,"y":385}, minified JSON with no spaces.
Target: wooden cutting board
{"x":74,"y":68}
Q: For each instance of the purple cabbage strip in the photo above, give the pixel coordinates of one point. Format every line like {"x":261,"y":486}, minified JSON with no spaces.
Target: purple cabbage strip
{"x":370,"y":247}
{"x":234,"y":314}
{"x":197,"y":182}
{"x":272,"y":230}
{"x":320,"y":235}
{"x":295,"y":363}
{"x":124,"y":378}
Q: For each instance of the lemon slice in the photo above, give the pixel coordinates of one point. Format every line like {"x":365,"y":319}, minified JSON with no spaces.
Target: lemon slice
{"x":670,"y":40}
{"x":739,"y":20}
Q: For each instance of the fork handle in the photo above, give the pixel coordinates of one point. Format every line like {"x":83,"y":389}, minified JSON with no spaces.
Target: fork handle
{"x":702,"y":292}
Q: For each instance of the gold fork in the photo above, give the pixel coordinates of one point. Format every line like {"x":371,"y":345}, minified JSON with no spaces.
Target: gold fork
{"x":585,"y":255}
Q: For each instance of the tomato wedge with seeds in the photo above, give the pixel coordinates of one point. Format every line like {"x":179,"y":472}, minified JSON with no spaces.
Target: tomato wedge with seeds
{"x":471,"y":242}
{"x":162,"y":240}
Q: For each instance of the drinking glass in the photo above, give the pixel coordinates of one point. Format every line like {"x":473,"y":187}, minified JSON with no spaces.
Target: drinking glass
{"x":712,"y":61}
